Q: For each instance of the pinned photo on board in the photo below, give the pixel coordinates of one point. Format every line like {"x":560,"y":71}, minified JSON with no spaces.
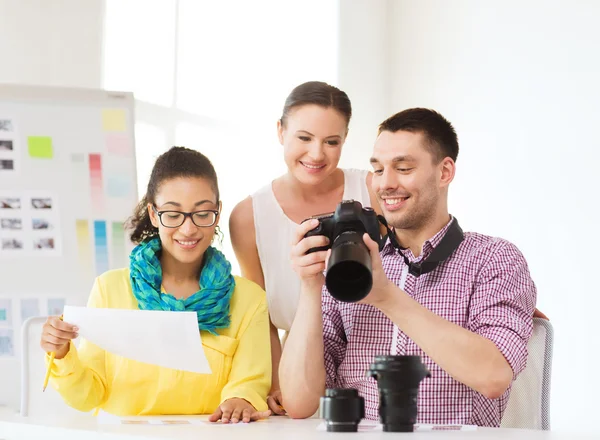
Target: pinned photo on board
{"x":12,"y":244}
{"x":7,"y":345}
{"x":6,"y":125}
{"x":29,"y":307}
{"x":5,"y":311}
{"x":7,"y":165}
{"x":6,"y":145}
{"x":11,"y":223}
{"x":43,"y":243}
{"x":56,"y":306}
{"x":10,"y":203}
{"x":41,"y":203}
{"x":41,"y":223}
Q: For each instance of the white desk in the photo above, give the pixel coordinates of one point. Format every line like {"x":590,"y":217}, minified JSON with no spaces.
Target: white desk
{"x":14,"y":427}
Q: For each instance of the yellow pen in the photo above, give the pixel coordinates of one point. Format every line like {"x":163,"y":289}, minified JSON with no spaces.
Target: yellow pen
{"x":52,"y":354}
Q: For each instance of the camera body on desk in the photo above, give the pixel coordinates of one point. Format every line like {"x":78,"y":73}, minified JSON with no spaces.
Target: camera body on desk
{"x":348,"y":277}
{"x":398,"y":379}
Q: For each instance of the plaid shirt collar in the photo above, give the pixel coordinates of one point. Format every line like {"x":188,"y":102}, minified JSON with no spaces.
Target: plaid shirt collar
{"x":428,"y":247}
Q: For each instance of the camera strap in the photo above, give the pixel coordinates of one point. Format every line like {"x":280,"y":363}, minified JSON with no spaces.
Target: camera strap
{"x":448,"y":244}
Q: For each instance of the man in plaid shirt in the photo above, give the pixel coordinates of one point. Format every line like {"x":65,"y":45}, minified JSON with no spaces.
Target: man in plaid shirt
{"x":469,"y":319}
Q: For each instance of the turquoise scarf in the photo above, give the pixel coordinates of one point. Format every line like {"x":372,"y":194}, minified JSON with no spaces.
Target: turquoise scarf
{"x":211,"y":302}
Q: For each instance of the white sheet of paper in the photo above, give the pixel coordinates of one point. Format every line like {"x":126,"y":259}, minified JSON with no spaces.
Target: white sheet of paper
{"x":108,"y":419}
{"x":167,"y":339}
{"x":165,"y":420}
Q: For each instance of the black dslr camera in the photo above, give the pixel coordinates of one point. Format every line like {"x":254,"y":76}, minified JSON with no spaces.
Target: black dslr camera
{"x":348,"y":277}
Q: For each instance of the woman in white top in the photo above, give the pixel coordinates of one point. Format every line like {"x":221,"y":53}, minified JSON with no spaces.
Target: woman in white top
{"x":312,"y":130}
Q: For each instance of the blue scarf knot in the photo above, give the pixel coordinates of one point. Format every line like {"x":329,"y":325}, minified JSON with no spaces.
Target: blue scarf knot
{"x":211,"y":302}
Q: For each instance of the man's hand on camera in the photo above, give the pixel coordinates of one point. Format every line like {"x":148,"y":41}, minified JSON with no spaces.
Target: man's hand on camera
{"x":309,"y":267}
{"x":383,"y":289}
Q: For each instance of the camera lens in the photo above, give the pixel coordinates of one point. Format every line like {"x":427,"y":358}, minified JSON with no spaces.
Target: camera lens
{"x":342,"y":409}
{"x":348,"y":277}
{"x":398,"y":379}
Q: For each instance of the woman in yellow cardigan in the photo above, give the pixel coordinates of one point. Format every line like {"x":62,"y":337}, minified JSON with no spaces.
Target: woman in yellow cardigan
{"x":173,"y":226}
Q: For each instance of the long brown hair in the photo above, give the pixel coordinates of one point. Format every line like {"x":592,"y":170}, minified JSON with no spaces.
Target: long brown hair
{"x":319,"y":93}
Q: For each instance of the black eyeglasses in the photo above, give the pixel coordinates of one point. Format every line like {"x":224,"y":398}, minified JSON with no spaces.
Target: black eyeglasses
{"x":174,"y":219}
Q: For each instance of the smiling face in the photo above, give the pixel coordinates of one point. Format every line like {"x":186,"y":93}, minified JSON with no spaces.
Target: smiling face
{"x":312,"y":137}
{"x":188,"y":242}
{"x":410,"y":183}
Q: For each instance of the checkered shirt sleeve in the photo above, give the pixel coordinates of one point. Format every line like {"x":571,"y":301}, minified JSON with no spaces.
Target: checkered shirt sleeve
{"x":503,"y":302}
{"x":334,"y":338}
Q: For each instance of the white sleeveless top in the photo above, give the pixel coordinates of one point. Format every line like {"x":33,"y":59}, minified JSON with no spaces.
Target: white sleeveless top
{"x":274,"y":235}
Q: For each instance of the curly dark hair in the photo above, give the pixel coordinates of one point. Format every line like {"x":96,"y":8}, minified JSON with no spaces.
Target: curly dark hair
{"x":176,"y":162}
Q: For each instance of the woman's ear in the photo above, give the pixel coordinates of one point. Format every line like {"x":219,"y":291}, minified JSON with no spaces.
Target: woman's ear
{"x":152,"y":215}
{"x":219,"y":214}
{"x":218,"y":234}
{"x":280,"y":130}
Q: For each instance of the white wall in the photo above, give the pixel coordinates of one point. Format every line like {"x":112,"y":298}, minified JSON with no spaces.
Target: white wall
{"x":363,"y":61}
{"x":54,"y":43}
{"x":519,"y":80}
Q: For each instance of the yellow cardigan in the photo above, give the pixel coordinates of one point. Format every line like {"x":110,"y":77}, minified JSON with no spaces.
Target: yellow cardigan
{"x":239,"y":357}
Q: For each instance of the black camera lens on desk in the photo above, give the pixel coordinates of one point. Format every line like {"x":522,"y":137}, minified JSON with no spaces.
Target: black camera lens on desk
{"x":348,"y":277}
{"x":342,"y":409}
{"x":398,"y":379}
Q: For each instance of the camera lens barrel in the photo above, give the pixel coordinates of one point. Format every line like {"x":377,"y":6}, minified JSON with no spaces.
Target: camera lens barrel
{"x":398,"y":410}
{"x":342,"y":409}
{"x":348,"y":277}
{"x":398,"y":379}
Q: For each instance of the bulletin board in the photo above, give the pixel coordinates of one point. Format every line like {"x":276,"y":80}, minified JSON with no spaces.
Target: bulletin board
{"x":67,"y":185}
